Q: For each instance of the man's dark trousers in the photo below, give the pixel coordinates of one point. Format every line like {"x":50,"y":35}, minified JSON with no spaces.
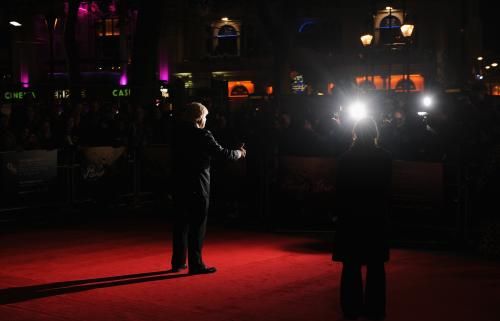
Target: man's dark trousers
{"x":189,"y":227}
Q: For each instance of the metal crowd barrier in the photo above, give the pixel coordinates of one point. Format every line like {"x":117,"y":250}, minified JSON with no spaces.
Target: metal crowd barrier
{"x":426,"y":193}
{"x":64,"y":177}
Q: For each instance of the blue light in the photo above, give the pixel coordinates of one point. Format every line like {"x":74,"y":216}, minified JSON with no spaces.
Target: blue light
{"x":302,"y":26}
{"x":390,"y":27}
{"x":226,"y":36}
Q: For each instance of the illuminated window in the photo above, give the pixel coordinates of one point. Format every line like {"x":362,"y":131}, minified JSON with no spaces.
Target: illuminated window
{"x":330,"y":87}
{"x":495,"y":90}
{"x":225,"y":38}
{"x":227,"y":41}
{"x":108,"y":27}
{"x":107,"y":43}
{"x":398,"y":82}
{"x":240,"y":88}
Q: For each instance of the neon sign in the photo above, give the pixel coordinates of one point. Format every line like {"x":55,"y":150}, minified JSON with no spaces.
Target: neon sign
{"x":18,"y":95}
{"x":298,"y":85}
{"x":125,"y":92}
{"x":61,"y":94}
{"x":66,"y":93}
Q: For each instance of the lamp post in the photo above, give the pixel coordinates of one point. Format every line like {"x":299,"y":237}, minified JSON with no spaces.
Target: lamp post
{"x":478,"y":68}
{"x":51,"y":21}
{"x":389,"y":10}
{"x":407,"y":31}
{"x":366,"y":40}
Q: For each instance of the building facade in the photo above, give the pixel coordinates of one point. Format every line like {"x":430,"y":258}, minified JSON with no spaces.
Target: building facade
{"x":233,"y":50}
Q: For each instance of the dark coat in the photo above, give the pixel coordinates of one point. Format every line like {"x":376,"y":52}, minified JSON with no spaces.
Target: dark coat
{"x":363,"y":194}
{"x":193,"y":149}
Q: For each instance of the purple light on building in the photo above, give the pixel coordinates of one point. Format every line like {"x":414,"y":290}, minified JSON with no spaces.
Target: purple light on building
{"x":82,"y":10}
{"x":112,"y":7}
{"x":123,"y":79}
{"x":24,"y":76}
{"x":163,"y":71}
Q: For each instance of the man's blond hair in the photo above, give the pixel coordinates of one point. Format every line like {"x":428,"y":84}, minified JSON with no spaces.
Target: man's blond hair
{"x":194,"y":112}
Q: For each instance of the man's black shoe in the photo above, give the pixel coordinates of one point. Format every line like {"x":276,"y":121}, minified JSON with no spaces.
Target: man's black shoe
{"x":202,"y":270}
{"x":178,"y":268}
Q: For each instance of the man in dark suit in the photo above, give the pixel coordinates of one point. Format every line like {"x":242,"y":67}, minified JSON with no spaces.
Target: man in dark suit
{"x":193,"y":148}
{"x":363,"y":190}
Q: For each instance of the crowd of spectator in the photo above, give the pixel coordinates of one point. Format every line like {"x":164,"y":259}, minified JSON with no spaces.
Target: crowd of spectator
{"x":458,"y":126}
{"x":29,"y":125}
{"x":462,"y":130}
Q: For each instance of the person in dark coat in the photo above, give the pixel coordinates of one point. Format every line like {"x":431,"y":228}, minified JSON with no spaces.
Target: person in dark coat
{"x":193,"y":148}
{"x":363,"y":192}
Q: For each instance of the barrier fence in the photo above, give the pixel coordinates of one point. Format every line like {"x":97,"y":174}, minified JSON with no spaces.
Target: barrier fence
{"x":305,"y":186}
{"x":297,"y":188}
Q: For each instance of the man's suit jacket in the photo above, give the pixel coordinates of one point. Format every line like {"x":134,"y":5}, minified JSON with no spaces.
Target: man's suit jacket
{"x":193,"y":148}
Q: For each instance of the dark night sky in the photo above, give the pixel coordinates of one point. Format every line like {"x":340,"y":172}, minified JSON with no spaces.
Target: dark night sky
{"x":489,"y":19}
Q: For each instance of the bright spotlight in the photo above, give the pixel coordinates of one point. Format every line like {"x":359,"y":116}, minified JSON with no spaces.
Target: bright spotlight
{"x":422,"y":113}
{"x":427,"y":101}
{"x":357,"y":110}
{"x":15,"y":23}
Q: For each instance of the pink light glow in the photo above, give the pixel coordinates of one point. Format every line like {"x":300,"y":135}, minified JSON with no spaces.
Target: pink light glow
{"x":24,"y":76}
{"x":112,"y":7}
{"x":83,"y":9}
{"x":164,"y":72}
{"x":123,"y":78}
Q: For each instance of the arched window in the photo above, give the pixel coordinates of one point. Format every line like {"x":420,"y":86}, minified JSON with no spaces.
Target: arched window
{"x":227,"y":41}
{"x":318,"y":35}
{"x":239,"y":90}
{"x":405,"y":84}
{"x":390,"y":30}
{"x":310,"y":34}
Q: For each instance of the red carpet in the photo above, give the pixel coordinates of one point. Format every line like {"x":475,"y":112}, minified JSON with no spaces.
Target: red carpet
{"x":117,"y":273}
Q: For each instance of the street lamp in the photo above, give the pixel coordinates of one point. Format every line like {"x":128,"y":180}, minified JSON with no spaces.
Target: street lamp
{"x":366,"y":40}
{"x":407,"y":31}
